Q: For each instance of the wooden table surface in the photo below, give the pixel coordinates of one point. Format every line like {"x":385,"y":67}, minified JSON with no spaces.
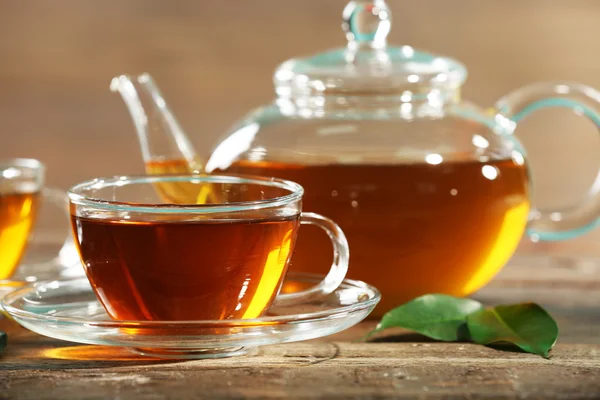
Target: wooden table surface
{"x":396,"y":364}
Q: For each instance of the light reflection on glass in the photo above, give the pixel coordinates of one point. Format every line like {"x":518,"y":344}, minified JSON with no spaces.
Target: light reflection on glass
{"x":408,"y":51}
{"x":490,"y":172}
{"x":284,"y":74}
{"x":406,"y":97}
{"x":344,"y":129}
{"x":406,"y":110}
{"x":579,"y":111}
{"x":305,"y":113}
{"x":556,"y":216}
{"x":518,"y":157}
{"x":442,"y":77}
{"x":232,"y":147}
{"x":434,"y":159}
{"x":257,"y":154}
{"x":434,"y":98}
{"x":319,"y":85}
{"x":242,"y":294}
{"x":303,"y":79}
{"x":480,"y":142}
{"x":11,"y":173}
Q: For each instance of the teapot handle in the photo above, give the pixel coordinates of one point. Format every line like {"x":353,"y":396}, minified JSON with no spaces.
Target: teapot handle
{"x":553,"y":225}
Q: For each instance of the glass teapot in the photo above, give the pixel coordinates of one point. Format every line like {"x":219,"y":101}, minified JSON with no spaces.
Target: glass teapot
{"x":432,"y":191}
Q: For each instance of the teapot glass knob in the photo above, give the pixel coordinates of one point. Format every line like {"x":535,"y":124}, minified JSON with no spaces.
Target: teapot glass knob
{"x":367,"y":23}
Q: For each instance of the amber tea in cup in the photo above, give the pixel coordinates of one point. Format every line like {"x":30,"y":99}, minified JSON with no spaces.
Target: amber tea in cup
{"x":21,"y":181}
{"x":22,"y":196}
{"x":223,"y":257}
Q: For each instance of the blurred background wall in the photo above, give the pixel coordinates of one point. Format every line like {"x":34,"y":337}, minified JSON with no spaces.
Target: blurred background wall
{"x":214,"y":60}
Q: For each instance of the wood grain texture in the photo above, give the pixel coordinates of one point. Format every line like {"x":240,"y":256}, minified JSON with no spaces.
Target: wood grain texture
{"x":396,"y":364}
{"x":328,"y":370}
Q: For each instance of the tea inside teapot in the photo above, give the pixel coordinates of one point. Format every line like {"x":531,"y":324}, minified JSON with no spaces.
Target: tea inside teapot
{"x":413,"y":228}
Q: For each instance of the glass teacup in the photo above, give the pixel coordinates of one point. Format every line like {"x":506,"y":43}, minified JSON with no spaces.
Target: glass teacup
{"x":22,"y":192}
{"x":221,"y":255}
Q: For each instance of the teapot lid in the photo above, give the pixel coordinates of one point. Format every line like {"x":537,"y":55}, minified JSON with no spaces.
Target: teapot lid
{"x":367,"y":65}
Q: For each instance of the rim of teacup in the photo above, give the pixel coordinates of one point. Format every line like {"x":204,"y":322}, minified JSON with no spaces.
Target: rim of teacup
{"x":20,"y":164}
{"x":75,"y":196}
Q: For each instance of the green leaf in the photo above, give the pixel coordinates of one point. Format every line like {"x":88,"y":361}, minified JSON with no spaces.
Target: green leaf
{"x":437,"y":316}
{"x":527,"y":325}
{"x":3,"y":340}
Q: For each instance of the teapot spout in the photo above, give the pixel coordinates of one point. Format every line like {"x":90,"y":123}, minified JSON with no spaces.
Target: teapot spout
{"x":165,"y":147}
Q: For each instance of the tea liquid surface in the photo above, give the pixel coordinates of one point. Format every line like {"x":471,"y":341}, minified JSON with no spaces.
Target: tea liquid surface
{"x":18,"y":212}
{"x":186,"y":270}
{"x":412,"y":228}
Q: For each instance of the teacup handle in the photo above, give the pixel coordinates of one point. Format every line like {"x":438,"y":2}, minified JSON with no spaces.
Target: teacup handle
{"x":558,"y":224}
{"x":67,"y":259}
{"x":339,"y":268}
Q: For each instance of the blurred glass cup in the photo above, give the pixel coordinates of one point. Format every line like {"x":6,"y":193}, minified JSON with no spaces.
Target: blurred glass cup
{"x":30,"y":251}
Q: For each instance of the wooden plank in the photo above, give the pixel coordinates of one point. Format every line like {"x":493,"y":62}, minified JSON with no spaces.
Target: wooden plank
{"x":397,"y":364}
{"x":319,"y":370}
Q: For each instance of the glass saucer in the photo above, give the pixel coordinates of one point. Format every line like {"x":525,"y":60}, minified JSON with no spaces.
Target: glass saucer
{"x":44,"y":261}
{"x":69,"y":310}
